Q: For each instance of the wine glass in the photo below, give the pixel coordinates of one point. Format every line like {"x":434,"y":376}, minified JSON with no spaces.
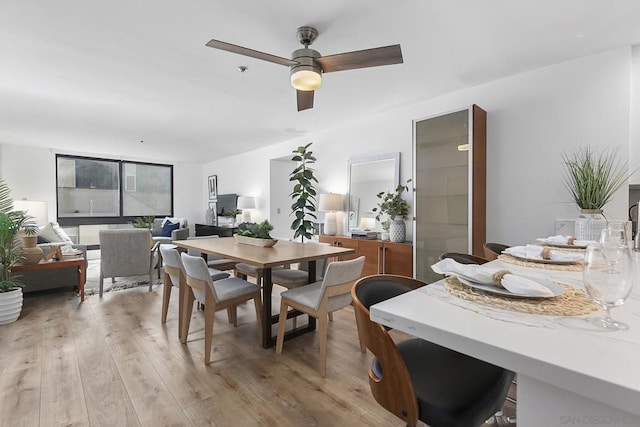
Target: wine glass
{"x":608,"y":278}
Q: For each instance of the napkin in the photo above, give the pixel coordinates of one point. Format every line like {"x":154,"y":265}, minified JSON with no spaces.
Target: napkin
{"x":517,"y":285}
{"x":535,"y":252}
{"x":563,"y":240}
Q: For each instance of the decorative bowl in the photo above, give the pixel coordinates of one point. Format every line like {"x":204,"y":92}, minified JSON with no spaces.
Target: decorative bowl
{"x":265,"y":243}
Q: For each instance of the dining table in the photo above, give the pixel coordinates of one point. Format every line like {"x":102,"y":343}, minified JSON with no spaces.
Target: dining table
{"x":568,"y":371}
{"x":284,"y":252}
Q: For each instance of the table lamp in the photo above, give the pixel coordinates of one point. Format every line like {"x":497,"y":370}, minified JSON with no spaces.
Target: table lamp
{"x":330,"y":203}
{"x":246,"y":204}
{"x":367,"y":224}
{"x":36,"y":209}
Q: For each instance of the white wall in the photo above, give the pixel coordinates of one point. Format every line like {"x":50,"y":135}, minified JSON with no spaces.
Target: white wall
{"x":30,"y":173}
{"x":532,"y":118}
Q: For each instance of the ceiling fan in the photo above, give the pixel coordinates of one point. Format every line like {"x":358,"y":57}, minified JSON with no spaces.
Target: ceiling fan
{"x":307,"y":66}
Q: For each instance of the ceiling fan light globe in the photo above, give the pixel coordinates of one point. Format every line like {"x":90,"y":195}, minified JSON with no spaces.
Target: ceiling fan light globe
{"x":306,"y":79}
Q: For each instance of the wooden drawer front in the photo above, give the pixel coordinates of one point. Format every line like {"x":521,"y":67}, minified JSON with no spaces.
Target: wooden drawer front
{"x":372,"y":251}
{"x":343,"y":242}
{"x":398,"y":259}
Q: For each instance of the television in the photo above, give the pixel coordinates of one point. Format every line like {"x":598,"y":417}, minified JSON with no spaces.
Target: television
{"x":226,"y":203}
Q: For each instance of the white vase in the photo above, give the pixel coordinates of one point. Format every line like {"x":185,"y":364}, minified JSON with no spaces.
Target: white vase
{"x":589,"y":224}
{"x":10,"y":306}
{"x":397,"y":230}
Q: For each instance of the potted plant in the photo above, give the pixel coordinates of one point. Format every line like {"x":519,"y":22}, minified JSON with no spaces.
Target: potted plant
{"x":11,"y":222}
{"x":304,"y":193}
{"x":143,"y":222}
{"x":396,"y":209}
{"x":592,"y":177}
{"x":255,"y":234}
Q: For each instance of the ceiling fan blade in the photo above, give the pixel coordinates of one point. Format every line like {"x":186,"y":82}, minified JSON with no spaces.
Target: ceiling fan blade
{"x":305,"y":99}
{"x":375,"y":57}
{"x":217,"y":44}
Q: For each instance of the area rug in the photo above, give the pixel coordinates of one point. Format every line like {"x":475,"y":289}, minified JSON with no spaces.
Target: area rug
{"x":92,"y":286}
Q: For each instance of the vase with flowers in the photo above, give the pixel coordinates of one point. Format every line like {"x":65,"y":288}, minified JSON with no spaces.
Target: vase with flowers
{"x":592,"y":177}
{"x":395,"y":208}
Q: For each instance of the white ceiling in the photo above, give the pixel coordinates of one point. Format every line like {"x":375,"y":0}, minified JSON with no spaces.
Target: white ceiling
{"x":101,"y":77}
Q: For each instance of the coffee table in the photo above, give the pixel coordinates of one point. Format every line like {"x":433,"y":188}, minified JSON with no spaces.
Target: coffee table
{"x":78,"y":262}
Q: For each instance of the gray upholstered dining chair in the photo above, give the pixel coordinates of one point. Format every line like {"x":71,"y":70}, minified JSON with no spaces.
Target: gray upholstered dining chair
{"x":175,"y":277}
{"x":126,"y":253}
{"x":218,"y":295}
{"x":213,"y":261}
{"x":321,"y":298}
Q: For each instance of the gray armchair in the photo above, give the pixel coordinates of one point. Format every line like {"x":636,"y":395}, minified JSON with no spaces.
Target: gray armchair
{"x":181,"y":233}
{"x":126,"y":253}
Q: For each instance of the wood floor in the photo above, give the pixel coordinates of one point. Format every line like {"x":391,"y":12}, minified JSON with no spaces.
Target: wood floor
{"x":110,"y":362}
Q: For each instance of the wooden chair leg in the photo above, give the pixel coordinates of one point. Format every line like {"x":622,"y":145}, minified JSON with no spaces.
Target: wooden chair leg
{"x":234,"y":313}
{"x":363,"y":349}
{"x":186,"y":315}
{"x":331,"y":317}
{"x":166,"y":295}
{"x":281,"y":324}
{"x":229,"y":314}
{"x":322,"y":331}
{"x":209,"y":311}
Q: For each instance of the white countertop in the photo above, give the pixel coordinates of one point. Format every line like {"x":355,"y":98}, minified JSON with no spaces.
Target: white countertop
{"x":562,"y":351}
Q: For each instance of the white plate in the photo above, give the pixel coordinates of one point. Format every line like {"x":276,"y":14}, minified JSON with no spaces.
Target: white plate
{"x":553,"y":287}
{"x":544,"y":261}
{"x":580,"y":245}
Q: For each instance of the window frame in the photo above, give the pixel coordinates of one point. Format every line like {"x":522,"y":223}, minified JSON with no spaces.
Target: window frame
{"x":120,"y":219}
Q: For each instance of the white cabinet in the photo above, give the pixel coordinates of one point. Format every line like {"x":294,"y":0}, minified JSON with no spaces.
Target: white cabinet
{"x":450,"y":185}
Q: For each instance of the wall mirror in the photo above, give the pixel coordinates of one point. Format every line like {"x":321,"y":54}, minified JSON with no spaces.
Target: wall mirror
{"x":369,"y":175}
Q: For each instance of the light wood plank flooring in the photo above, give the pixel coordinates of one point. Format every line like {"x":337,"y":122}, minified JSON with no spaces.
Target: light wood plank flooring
{"x":110,"y":362}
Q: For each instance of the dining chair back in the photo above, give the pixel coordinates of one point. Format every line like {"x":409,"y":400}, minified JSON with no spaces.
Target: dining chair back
{"x":320,"y":298}
{"x":419,"y":380}
{"x":217,"y":262}
{"x":218,"y":295}
{"x":125,"y":253}
{"x":492,"y":250}
{"x":463,"y":258}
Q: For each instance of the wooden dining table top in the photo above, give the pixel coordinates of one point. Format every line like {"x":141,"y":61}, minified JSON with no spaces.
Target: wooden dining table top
{"x":282,"y":252}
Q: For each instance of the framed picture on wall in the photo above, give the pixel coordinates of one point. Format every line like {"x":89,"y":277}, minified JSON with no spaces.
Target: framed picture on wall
{"x":213,"y":187}
{"x":212,"y":214}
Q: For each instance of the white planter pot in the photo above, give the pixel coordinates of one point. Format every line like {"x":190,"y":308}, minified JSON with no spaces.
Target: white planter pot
{"x":397,"y":230}
{"x":10,"y":306}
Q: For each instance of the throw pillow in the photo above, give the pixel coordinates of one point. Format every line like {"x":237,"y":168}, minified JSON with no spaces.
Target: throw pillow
{"x":54,"y":233}
{"x":168,"y":227}
{"x":180,"y":221}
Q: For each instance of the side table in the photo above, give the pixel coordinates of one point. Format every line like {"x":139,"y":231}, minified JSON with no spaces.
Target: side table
{"x":77,"y":262}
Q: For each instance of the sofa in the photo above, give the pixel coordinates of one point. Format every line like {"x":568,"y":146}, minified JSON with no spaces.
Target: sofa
{"x":40,"y":280}
{"x":167,"y":229}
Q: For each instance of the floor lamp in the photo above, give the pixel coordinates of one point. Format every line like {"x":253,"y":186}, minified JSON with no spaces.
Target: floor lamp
{"x":330,"y":203}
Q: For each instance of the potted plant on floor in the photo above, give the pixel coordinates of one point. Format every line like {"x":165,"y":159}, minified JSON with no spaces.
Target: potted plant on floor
{"x":592,"y":177}
{"x":11,"y":222}
{"x":304,"y":193}
{"x":396,"y":209}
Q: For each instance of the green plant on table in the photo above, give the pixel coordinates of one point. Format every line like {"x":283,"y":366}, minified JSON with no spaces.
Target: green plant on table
{"x":392,"y":204}
{"x":593,"y":176}
{"x":256,"y":230}
{"x":10,"y":248}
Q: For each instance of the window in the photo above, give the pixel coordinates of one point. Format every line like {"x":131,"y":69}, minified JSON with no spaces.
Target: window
{"x":98,"y":191}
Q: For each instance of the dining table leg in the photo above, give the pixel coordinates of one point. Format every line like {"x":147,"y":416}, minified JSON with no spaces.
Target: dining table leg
{"x":268,"y":319}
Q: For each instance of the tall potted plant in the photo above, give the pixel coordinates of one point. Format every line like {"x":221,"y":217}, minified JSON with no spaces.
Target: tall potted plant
{"x":396,"y":209}
{"x":592,"y":177}
{"x":304,"y":193}
{"x":11,"y":222}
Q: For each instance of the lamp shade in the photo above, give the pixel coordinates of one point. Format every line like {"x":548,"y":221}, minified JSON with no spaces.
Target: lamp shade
{"x":330,"y":202}
{"x":246,"y":202}
{"x":367,"y":223}
{"x":36,"y":209}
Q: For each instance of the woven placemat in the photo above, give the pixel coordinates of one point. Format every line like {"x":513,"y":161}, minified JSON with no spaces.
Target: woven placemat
{"x":573,"y":302}
{"x":557,"y":267}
